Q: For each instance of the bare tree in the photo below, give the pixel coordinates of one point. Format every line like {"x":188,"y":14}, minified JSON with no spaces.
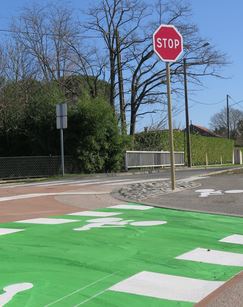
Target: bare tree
{"x":43,"y":32}
{"x":50,"y":48}
{"x":148,"y":72}
{"x":19,"y":65}
{"x":145,"y":75}
{"x":88,"y":63}
{"x":117,"y":21}
{"x":219,"y":124}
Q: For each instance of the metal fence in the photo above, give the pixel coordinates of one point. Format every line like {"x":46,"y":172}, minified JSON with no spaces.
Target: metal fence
{"x":32,"y":166}
{"x":139,"y":159}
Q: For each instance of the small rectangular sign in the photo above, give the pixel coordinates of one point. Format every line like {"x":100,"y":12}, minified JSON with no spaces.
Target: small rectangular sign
{"x":61,"y":109}
{"x":61,"y":116}
{"x":61,"y":122}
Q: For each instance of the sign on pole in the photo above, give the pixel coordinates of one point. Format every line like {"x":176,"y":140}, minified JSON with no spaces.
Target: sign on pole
{"x":61,"y":115}
{"x":61,"y":121}
{"x":168,"y":45}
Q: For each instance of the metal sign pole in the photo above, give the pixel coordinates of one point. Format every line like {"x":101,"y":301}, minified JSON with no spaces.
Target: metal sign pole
{"x":62,"y":151}
{"x":61,"y":121}
{"x":172,"y":158}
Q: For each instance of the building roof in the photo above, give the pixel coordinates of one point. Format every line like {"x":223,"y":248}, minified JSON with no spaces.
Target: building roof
{"x":204,"y":130}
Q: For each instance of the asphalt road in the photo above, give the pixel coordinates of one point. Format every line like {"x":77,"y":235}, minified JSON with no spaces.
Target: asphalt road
{"x":52,"y":197}
{"x":181,"y":173}
{"x":226,"y":196}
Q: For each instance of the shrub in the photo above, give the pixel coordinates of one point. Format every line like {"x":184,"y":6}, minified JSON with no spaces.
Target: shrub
{"x":213,"y":147}
{"x":93,"y":137}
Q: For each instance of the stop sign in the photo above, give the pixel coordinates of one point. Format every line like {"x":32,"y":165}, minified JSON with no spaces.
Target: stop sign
{"x":168,"y":43}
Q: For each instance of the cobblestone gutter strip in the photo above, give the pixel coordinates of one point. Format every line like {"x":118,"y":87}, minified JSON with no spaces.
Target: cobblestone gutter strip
{"x":142,"y":191}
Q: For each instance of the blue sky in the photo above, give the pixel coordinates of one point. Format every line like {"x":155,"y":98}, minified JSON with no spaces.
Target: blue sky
{"x":220,"y":23}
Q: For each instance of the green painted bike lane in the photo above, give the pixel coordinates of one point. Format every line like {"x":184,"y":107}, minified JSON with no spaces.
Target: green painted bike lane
{"x":74,"y":268}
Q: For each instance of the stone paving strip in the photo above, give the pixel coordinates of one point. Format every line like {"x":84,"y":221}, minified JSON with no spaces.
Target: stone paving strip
{"x":141,"y":191}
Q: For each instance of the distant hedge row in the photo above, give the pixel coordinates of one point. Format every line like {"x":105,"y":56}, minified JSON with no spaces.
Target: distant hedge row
{"x":216,"y":149}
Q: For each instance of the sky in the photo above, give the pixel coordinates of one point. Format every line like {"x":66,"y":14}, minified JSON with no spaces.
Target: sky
{"x":220,"y":23}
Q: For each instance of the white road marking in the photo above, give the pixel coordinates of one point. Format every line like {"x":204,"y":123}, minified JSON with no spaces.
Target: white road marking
{"x":148,"y":223}
{"x":213,"y":256}
{"x":79,"y":290}
{"x":131,"y":207}
{"x":84,"y":182}
{"x":6,"y":231}
{"x":47,"y":221}
{"x":208,"y":192}
{"x":11,"y":290}
{"x":91,"y":298}
{"x":105,"y":220}
{"x":234,"y":239}
{"x":192,"y":178}
{"x":94,"y":213}
{"x":45,"y":184}
{"x":105,"y":182}
{"x":105,"y":224}
{"x":204,"y":190}
{"x":34,"y":195}
{"x":168,"y":287}
{"x":234,"y":191}
{"x":62,"y":182}
{"x":116,"y":222}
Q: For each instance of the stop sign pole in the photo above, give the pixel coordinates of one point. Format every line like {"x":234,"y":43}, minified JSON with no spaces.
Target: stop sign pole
{"x":168,"y":45}
{"x":171,"y":138}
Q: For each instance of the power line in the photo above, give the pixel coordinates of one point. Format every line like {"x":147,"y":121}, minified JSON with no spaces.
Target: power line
{"x":206,"y":103}
{"x":235,"y":102}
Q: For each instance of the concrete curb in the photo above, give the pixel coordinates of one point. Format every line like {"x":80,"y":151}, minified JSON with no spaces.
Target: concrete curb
{"x":229,"y":294}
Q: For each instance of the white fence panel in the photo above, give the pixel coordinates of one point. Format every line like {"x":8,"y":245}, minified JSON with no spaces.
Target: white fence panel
{"x":139,"y":159}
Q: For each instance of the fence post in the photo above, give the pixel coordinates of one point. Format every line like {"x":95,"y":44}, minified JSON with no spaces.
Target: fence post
{"x":221,"y":160}
{"x":206,"y":159}
{"x":126,"y":162}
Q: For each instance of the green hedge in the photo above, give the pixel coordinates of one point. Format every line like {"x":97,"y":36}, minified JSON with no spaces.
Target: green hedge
{"x":213,"y":147}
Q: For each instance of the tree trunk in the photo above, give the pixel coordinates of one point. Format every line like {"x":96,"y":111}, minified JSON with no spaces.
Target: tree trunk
{"x":133,"y":121}
{"x":121,"y":88}
{"x":112,"y":80}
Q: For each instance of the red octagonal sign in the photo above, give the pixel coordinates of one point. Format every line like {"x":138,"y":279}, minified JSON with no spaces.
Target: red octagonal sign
{"x":168,"y":43}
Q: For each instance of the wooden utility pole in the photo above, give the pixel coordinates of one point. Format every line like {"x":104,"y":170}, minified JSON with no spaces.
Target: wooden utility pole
{"x":228,"y":123}
{"x":121,"y":88}
{"x":171,"y":139}
{"x":188,"y":136}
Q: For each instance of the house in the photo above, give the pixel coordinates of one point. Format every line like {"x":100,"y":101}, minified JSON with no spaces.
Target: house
{"x":196,"y":129}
